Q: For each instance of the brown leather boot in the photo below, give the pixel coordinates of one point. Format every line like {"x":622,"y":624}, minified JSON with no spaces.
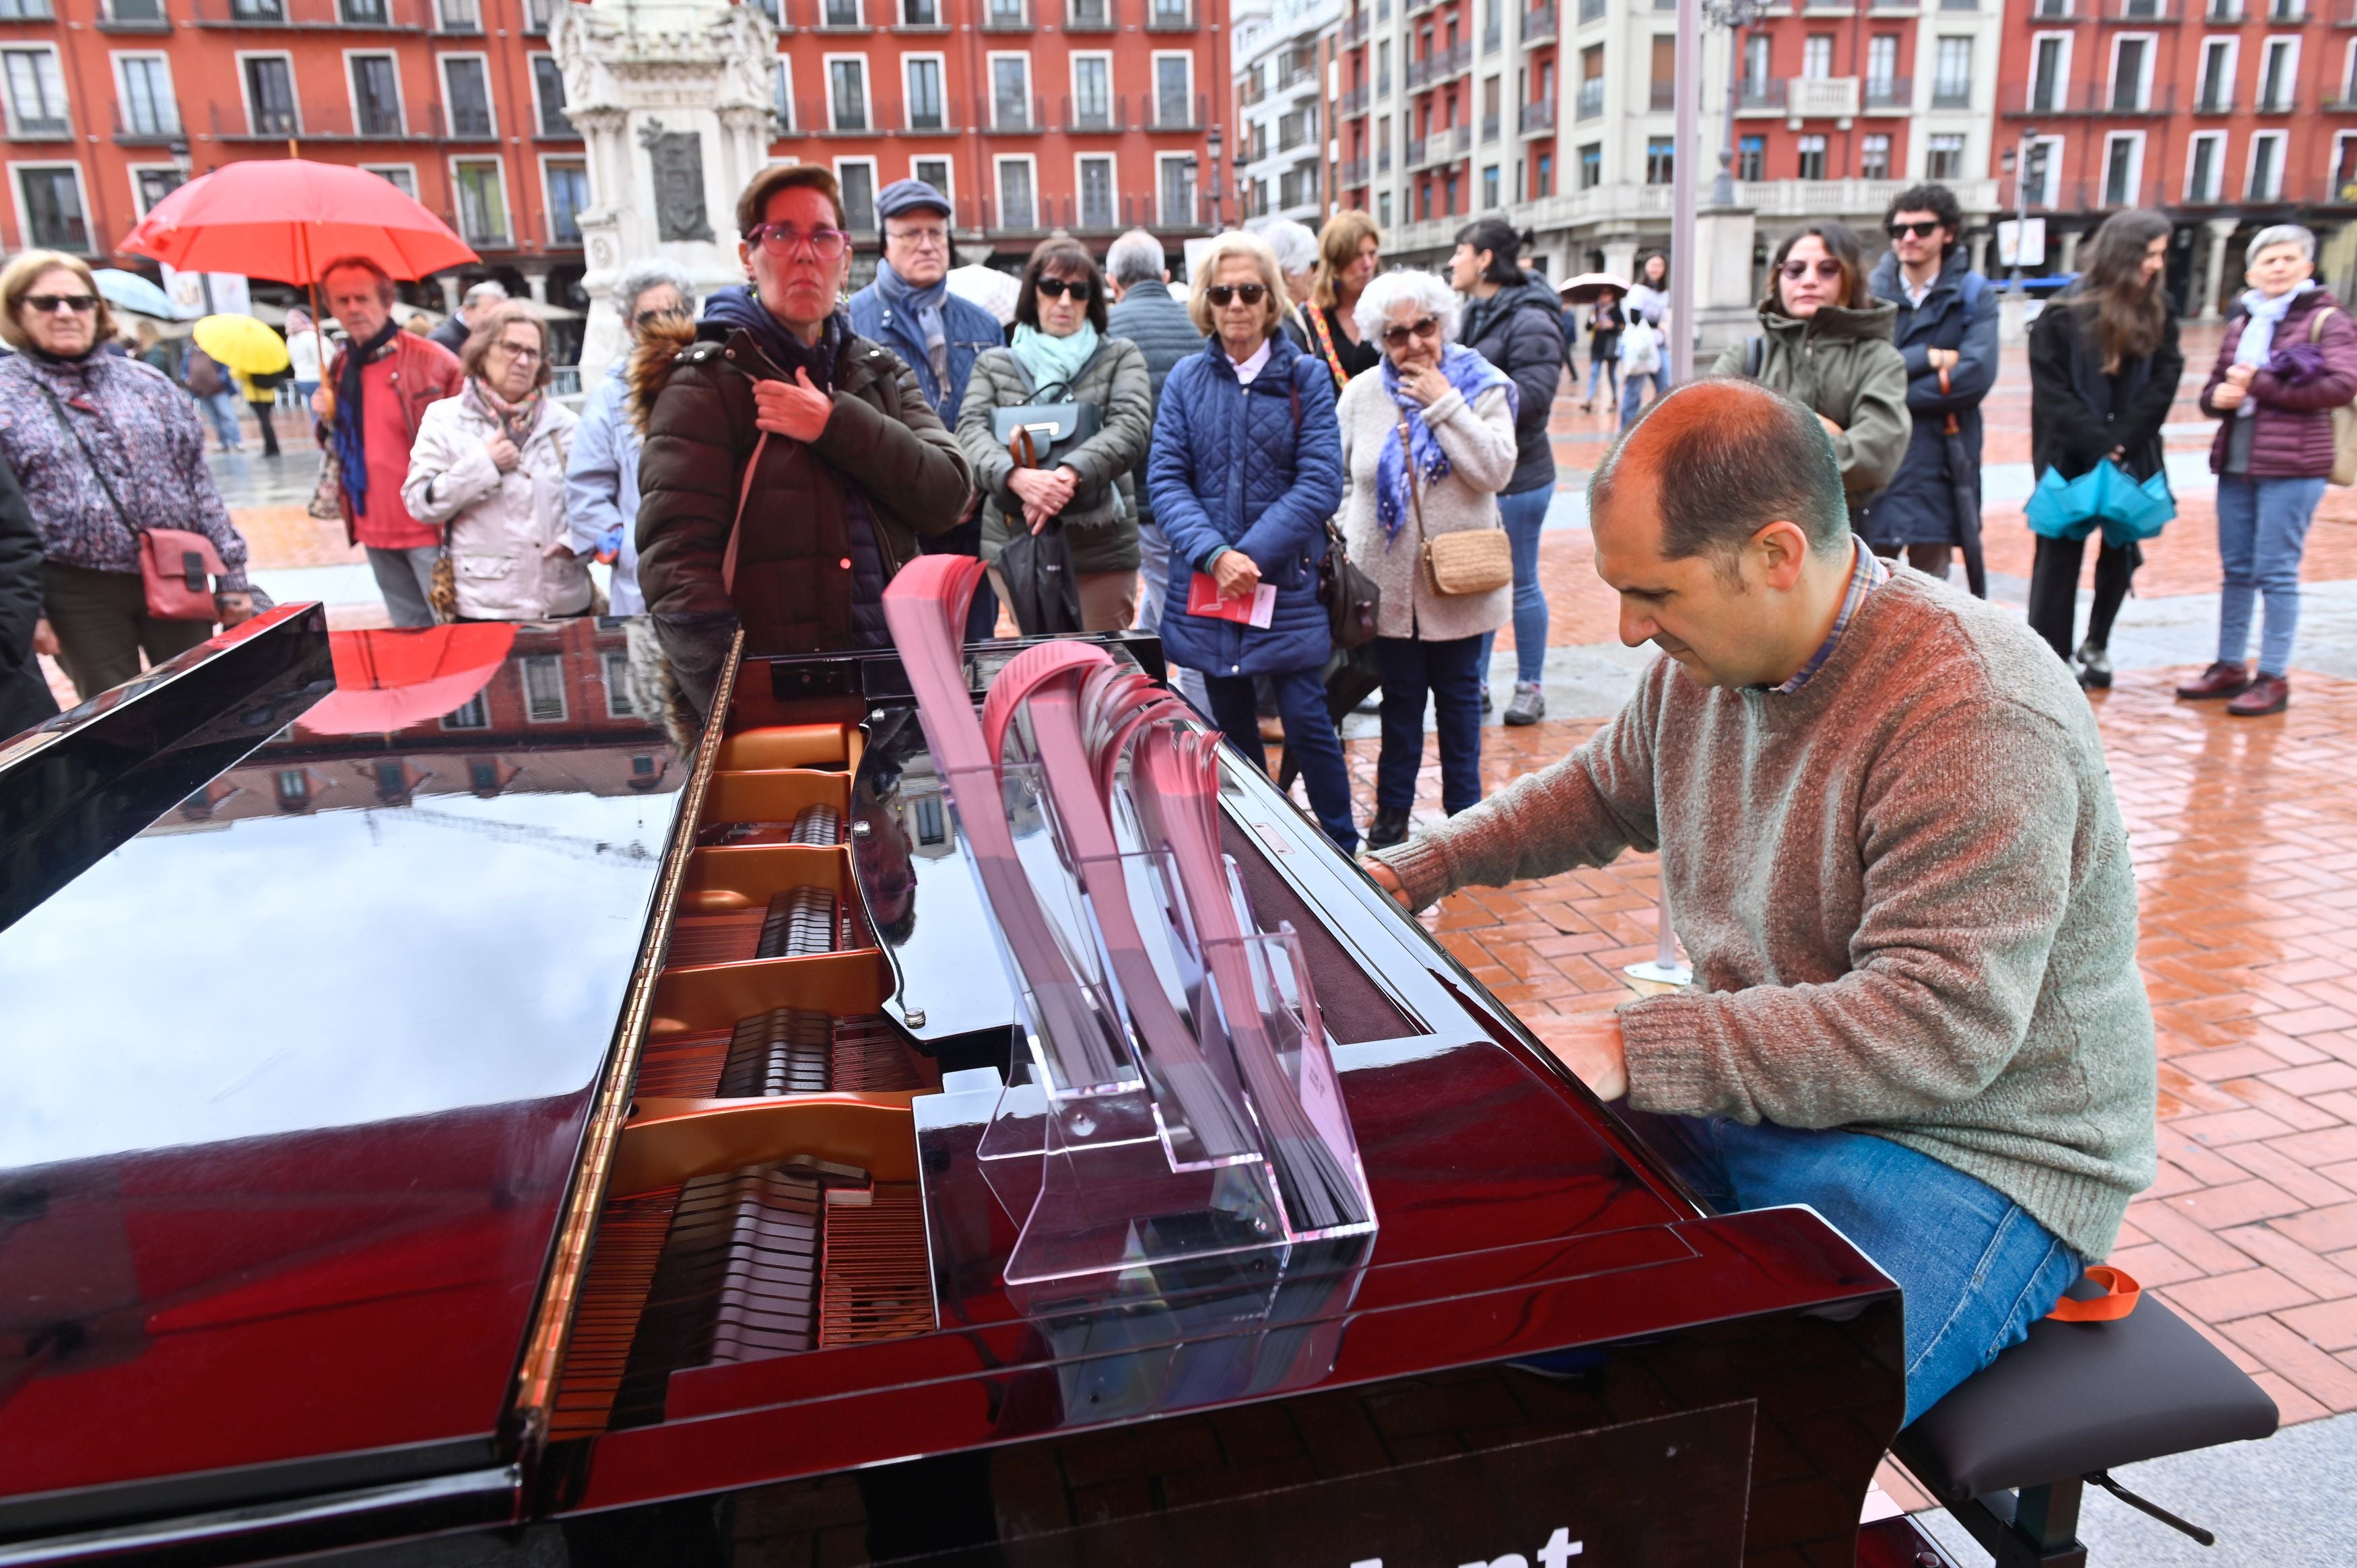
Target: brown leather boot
{"x":2268,"y":694}
{"x":2221,"y":679}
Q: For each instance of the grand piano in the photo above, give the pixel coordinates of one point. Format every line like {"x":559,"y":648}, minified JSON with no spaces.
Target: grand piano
{"x":591,"y":1092}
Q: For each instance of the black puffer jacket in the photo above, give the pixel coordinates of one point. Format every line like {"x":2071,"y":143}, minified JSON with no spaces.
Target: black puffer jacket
{"x":1520,"y":330}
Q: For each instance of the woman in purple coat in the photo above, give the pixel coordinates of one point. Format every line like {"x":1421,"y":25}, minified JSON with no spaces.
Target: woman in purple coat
{"x":2288,"y":361}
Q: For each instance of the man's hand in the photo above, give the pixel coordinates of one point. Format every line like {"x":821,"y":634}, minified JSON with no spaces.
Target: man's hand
{"x":795,"y":409}
{"x":558,"y":549}
{"x":1941,"y":359}
{"x":1830,"y":428}
{"x":1386,"y":878}
{"x":1592,"y":1047}
{"x":504,"y":455}
{"x":45,"y":637}
{"x":1236,"y":574}
{"x":235,"y":609}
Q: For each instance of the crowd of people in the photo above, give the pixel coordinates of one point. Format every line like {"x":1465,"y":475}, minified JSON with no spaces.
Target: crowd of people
{"x":1193,"y":461}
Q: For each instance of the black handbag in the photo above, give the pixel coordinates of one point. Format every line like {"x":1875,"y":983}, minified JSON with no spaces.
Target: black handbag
{"x":1042,"y":432}
{"x":1351,"y":598}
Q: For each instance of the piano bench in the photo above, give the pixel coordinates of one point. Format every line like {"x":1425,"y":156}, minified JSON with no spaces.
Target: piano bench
{"x":2008,"y":1450}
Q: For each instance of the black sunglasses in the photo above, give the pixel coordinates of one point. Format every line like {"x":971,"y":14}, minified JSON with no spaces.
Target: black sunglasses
{"x":1914,"y":230}
{"x":1057,"y":288}
{"x":1220,"y":293}
{"x":46,"y":303}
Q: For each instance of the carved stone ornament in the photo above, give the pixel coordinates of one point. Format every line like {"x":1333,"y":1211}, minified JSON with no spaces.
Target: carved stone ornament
{"x":678,"y":160}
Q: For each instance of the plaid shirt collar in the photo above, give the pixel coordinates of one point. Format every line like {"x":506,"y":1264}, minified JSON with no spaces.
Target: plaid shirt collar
{"x":1867,"y":574}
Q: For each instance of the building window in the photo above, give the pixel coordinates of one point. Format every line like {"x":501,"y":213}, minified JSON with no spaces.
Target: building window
{"x":466,"y":86}
{"x":1383,"y":209}
{"x":401,"y":176}
{"x":841,"y":14}
{"x":459,"y":16}
{"x":1665,"y":72}
{"x":2344,"y":167}
{"x":1813,"y":156}
{"x":1545,"y":175}
{"x":148,"y":106}
{"x":1010,"y":93}
{"x":480,"y":188}
{"x":1591,"y":82}
{"x":1005,"y":13}
{"x":568,"y":193}
{"x":2122,"y":158}
{"x":1874,"y":157}
{"x":1660,"y":158}
{"x":2130,"y":56}
{"x":1490,"y":185}
{"x":363,"y":13}
{"x":37,"y":93}
{"x":2217,"y":91}
{"x":619,"y":703}
{"x":1096,"y":192}
{"x":934,"y":172}
{"x":2050,"y":73}
{"x":847,"y":92}
{"x":270,"y":95}
{"x":1881,"y":66}
{"x":1817,"y":55}
{"x":1383,"y":69}
{"x":1093,"y":93}
{"x":782,"y":95}
{"x":1591,"y":164}
{"x":548,"y":85}
{"x":1944,"y":159}
{"x":1755,"y":67}
{"x":856,"y":179}
{"x":52,"y":208}
{"x":152,"y":184}
{"x":544,"y":689}
{"x":1173,"y":89}
{"x":2279,"y":71}
{"x":1952,"y":74}
{"x":2265,"y":180}
{"x":1298,"y":185}
{"x":1176,"y":188}
{"x":2204,"y":161}
{"x":1016,"y":208}
{"x":376,"y":96}
{"x":923,"y":81}
{"x":1751,"y":158}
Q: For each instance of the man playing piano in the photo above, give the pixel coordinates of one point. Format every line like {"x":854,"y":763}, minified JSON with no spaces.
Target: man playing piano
{"x":1891,"y":847}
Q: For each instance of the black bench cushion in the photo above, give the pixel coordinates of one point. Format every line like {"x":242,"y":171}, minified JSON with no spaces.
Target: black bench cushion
{"x":2078,"y":1397}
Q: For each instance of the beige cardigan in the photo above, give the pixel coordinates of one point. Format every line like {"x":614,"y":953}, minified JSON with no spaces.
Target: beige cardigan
{"x":1479,"y":442}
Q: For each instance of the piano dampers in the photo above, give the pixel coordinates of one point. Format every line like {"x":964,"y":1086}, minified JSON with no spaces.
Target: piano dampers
{"x":818,"y":825}
{"x":869,"y":1054}
{"x":802,"y":923}
{"x":877,"y":1284}
{"x":786,"y":1050}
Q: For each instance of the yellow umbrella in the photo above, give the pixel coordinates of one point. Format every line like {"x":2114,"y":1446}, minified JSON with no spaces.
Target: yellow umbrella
{"x":241,"y":343}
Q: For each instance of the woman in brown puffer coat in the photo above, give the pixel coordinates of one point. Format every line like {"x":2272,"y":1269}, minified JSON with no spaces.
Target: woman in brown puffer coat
{"x":850,"y":465}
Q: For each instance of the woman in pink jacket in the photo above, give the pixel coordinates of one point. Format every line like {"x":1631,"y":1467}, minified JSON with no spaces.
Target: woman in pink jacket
{"x":2288,"y":361}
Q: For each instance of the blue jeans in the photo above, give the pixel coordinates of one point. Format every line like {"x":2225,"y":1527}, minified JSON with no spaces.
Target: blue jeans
{"x":1973,"y":1269}
{"x":1632,"y":392}
{"x":2262,"y":529}
{"x":1524,"y":515}
{"x":1451,"y":670}
{"x":222,"y":409}
{"x":1309,"y":732}
{"x":1610,"y":370}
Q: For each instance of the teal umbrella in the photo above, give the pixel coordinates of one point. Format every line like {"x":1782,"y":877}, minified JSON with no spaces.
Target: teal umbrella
{"x":133,"y":291}
{"x":2104,"y":497}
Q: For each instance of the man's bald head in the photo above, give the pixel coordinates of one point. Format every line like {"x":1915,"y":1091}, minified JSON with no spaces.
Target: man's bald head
{"x":1725,"y":459}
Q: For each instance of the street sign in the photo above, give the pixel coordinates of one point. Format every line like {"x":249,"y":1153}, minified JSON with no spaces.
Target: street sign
{"x":2021,"y":242}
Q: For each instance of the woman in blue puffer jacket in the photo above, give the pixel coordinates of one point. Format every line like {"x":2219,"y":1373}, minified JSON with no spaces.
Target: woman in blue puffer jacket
{"x":1246,"y":467}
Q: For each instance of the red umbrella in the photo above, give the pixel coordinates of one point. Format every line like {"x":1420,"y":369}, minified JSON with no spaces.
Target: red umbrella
{"x":388,"y":681}
{"x":285,"y":218}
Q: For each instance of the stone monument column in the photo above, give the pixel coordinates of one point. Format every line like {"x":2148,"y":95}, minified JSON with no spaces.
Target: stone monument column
{"x":1726,"y":306}
{"x":672,"y":99}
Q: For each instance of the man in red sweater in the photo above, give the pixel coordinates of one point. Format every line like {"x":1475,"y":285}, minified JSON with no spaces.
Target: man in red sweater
{"x":376,"y":392}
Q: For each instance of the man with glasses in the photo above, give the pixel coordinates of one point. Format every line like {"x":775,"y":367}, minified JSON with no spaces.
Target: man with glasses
{"x":910,"y":310}
{"x":1947,"y":334}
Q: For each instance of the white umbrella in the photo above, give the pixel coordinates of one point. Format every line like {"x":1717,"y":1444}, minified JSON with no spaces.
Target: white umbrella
{"x":1588,"y":287}
{"x":988,"y":287}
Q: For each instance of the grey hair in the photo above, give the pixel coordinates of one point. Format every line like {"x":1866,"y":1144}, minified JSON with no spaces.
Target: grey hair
{"x":490,"y":288}
{"x":2279,"y":234}
{"x":640,"y":276}
{"x":1405,"y":286}
{"x":1295,"y":245}
{"x":1135,"y":258}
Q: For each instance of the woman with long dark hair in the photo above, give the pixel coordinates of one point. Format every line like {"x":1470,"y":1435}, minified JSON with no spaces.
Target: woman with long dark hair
{"x":1825,"y":343}
{"x":2103,"y":367}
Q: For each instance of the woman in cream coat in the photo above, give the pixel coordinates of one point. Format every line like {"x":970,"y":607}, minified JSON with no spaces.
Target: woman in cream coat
{"x":1455,"y":411}
{"x":490,"y":465}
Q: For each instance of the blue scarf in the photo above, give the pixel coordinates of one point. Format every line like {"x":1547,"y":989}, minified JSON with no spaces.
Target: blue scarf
{"x":925,"y":304}
{"x":741,"y":308}
{"x":1472,"y":375}
{"x":1054,"y":361}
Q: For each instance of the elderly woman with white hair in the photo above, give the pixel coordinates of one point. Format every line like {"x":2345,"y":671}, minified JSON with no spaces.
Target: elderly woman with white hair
{"x":1294,"y":245}
{"x":601,"y":477}
{"x":1428,"y":443}
{"x":2287,"y":360}
{"x":1244,"y":472}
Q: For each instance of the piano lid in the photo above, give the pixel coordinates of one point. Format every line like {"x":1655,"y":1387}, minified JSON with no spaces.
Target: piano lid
{"x":293,"y":1076}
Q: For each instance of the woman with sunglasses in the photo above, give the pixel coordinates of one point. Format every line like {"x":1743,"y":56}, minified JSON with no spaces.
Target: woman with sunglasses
{"x":488,"y":468}
{"x":1825,"y":343}
{"x":601,"y":476}
{"x":1245,"y":470}
{"x":1061,"y":354}
{"x":1429,"y":442}
{"x":773,"y":408}
{"x":103,"y":447}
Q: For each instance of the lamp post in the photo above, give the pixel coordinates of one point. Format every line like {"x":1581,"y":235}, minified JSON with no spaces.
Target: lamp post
{"x":2027,"y":164}
{"x":1211,"y":146}
{"x":1738,"y":17}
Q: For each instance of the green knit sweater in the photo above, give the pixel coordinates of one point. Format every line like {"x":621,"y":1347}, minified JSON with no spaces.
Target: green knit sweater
{"x":1906,"y":891}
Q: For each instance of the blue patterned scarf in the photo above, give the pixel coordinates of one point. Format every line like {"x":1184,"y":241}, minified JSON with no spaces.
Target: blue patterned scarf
{"x":1472,"y":375}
